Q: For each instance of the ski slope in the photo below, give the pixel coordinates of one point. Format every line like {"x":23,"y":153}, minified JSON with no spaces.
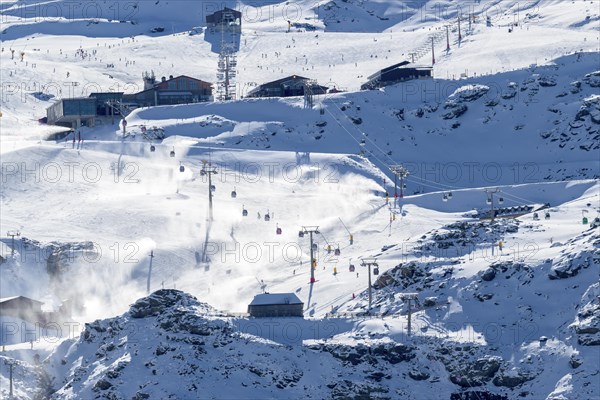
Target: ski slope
{"x":103,"y":206}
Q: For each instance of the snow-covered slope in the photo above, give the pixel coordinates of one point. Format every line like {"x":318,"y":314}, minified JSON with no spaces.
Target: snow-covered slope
{"x":514,"y":105}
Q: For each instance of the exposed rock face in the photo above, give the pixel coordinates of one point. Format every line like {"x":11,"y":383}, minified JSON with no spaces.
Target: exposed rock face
{"x":587,"y":325}
{"x":392,"y":352}
{"x":570,"y":265}
{"x":477,"y":373}
{"x":61,"y":255}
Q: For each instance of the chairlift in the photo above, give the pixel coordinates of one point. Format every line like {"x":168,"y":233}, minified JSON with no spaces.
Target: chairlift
{"x":172,"y":154}
{"x":449,"y":195}
{"x":300,"y":234}
{"x":351,"y":268}
{"x":536,"y":216}
{"x":488,"y":201}
{"x":233,"y":193}
{"x":278,"y":231}
{"x":213,"y":188}
{"x":337,"y":252}
{"x":267,"y":217}
{"x":547,"y":215}
{"x":501,"y":200}
{"x":315,"y":247}
{"x":181,"y":168}
{"x":244,"y":212}
{"x":445,"y":197}
{"x":152,"y":148}
{"x":376,"y":271}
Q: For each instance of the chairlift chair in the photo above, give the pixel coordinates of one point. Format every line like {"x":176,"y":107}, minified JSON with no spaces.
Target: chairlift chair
{"x":278,"y":231}
{"x":337,"y":252}
{"x":172,"y":154}
{"x":300,"y":234}
{"x":181,"y":168}
{"x":501,"y":200}
{"x":267,"y":217}
{"x":152,"y":148}
{"x":536,"y":216}
{"x":314,"y":246}
{"x":449,"y":195}
{"x":233,"y":193}
{"x":351,"y":268}
{"x":376,"y":271}
{"x":445,"y":197}
{"x":213,"y":188}
{"x":547,"y":216}
{"x":488,"y":201}
{"x":244,"y":212}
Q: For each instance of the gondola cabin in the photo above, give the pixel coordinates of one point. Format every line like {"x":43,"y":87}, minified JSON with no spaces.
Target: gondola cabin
{"x":376,"y":271}
{"x":152,"y":148}
{"x":267,"y":217}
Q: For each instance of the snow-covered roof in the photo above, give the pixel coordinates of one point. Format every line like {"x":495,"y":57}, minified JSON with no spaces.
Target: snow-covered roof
{"x":275,"y":299}
{"x":4,"y":299}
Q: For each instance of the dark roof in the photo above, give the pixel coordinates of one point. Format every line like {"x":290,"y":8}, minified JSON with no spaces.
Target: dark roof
{"x":292,"y":77}
{"x":391,"y":67}
{"x":215,"y":17}
{"x":403,"y":64}
{"x":269,"y":299}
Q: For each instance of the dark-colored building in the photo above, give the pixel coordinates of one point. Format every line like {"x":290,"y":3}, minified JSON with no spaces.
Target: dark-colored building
{"x":21,"y":307}
{"x":403,"y":71}
{"x":179,"y":90}
{"x":73,"y":112}
{"x":276,"y":305}
{"x":103,"y":101}
{"x":294,"y":85}
{"x":225,"y":20}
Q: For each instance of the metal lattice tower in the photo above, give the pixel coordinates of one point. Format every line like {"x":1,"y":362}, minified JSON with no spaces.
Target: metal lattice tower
{"x":226,"y":71}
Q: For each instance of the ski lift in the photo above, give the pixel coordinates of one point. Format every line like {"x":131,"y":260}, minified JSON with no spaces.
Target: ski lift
{"x":337,"y":252}
{"x":278,"y":231}
{"x":233,"y":193}
{"x":445,"y":197}
{"x":152,"y":148}
{"x":536,"y":216}
{"x":267,"y":217}
{"x":244,"y":212}
{"x":376,"y":271}
{"x":351,"y":268}
{"x":300,"y":234}
{"x":547,"y":215}
{"x":488,"y":201}
{"x":314,"y":246}
{"x":213,"y":188}
{"x":449,"y":195}
{"x":585,"y":220}
{"x":501,"y":200}
{"x":181,"y":168}
{"x":172,"y":154}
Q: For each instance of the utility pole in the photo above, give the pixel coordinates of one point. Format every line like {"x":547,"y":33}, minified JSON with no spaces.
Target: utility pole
{"x":10,"y":375}
{"x":399,"y":172}
{"x":12,"y":234}
{"x":432,"y":52}
{"x":412,"y":55}
{"x":447,"y":37}
{"x":368,"y":262}
{"x":313,"y":263}
{"x":409,"y":297}
{"x":459,"y":33}
{"x":490,"y":200}
{"x":149,"y":272}
{"x":208,"y":171}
